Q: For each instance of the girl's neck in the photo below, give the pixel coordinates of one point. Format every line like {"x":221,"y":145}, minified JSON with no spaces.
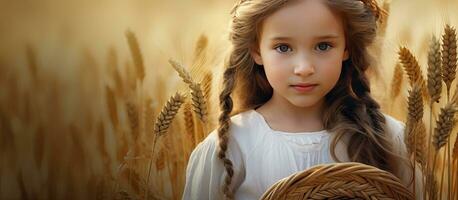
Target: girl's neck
{"x":281,"y":115}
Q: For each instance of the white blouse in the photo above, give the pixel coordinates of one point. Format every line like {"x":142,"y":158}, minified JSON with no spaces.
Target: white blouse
{"x":261,"y":156}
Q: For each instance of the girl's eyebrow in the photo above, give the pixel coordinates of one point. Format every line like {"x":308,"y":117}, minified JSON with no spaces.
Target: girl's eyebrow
{"x":330,"y":36}
{"x":321,"y":37}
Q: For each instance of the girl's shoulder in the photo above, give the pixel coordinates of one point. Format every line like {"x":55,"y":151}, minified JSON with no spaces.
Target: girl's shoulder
{"x":393,"y":125}
{"x":244,"y":129}
{"x":396,"y":128}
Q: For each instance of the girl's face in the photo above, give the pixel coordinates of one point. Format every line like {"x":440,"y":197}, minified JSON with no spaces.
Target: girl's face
{"x":301,"y":47}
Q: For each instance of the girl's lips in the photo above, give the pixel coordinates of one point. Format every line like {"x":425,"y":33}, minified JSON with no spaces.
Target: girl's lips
{"x":304,"y":88}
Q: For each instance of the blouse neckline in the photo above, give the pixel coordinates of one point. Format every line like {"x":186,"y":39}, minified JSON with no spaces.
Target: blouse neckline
{"x":266,"y":125}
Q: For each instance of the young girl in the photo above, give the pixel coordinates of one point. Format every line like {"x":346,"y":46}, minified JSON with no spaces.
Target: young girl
{"x":298,"y":69}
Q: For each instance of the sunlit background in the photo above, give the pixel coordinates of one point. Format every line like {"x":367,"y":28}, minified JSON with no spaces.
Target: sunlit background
{"x":83,"y":82}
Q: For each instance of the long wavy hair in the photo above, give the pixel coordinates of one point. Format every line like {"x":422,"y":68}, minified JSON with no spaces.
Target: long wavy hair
{"x":349,"y":107}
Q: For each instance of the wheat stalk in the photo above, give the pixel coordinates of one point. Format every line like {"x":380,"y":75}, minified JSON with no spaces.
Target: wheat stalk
{"x":163,"y":121}
{"x":455,"y":149}
{"x":136,"y":54}
{"x":148,"y":117}
{"x":112,"y":62}
{"x":420,"y":143}
{"x":434,"y":70}
{"x":200,"y":50}
{"x":415,"y":130}
{"x":413,"y":69}
{"x":160,"y":161}
{"x":431,"y":184}
{"x":101,"y":145}
{"x":434,"y":85}
{"x":448,"y":56}
{"x":112,"y":108}
{"x":39,"y":145}
{"x":455,"y":173}
{"x":189,"y":122}
{"x":207,"y":85}
{"x":445,"y":123}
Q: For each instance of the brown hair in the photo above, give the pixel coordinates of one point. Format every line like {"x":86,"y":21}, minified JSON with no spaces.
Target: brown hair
{"x":349,"y":107}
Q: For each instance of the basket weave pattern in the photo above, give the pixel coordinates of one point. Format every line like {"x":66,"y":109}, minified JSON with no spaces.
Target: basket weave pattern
{"x":339,"y":181}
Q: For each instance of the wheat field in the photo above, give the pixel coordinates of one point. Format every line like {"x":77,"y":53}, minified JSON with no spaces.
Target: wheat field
{"x":107,"y":99}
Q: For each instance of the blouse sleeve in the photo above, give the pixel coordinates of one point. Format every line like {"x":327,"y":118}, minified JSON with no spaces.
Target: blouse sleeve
{"x":405,"y":169}
{"x":205,"y":172}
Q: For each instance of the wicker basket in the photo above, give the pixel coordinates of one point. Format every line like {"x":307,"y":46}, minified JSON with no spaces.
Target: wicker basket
{"x":339,"y":181}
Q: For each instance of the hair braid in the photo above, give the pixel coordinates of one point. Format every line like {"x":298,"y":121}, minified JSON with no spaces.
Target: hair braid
{"x":362,"y":118}
{"x":226,"y":105}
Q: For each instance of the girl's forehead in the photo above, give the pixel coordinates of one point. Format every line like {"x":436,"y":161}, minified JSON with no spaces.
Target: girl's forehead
{"x":303,"y":18}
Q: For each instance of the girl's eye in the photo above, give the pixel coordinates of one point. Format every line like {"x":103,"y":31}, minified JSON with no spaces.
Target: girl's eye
{"x":282,"y":48}
{"x":323,"y":46}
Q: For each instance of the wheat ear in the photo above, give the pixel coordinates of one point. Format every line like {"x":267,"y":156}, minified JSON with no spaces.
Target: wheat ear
{"x":416,"y":131}
{"x":168,"y":113}
{"x":415,"y":104}
{"x":136,"y":54}
{"x":412,"y":69}
{"x":198,"y":98}
{"x":434,"y":88}
{"x":434,"y":70}
{"x":163,"y":121}
{"x":182,"y":72}
{"x":396,"y":82}
{"x":132,"y":115}
{"x":449,"y":71}
{"x":198,"y":101}
{"x":445,"y":123}
{"x":448,"y":56}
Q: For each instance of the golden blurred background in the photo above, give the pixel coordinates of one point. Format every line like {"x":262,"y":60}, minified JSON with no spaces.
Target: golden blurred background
{"x":82,"y":83}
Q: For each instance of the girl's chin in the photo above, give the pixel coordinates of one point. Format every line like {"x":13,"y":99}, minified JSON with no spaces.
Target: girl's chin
{"x":304,"y":103}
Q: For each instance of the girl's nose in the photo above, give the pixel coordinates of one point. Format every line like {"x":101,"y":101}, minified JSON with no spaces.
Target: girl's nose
{"x":304,"y":68}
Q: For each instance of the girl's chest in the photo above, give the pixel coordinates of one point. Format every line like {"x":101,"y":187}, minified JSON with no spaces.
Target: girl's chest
{"x":274,"y":161}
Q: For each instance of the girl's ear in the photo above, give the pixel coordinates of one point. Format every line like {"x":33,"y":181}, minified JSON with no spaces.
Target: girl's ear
{"x":346,"y":55}
{"x":256,"y":55}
